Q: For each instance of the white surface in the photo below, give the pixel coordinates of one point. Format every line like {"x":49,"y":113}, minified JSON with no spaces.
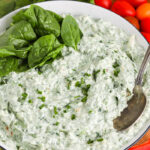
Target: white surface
{"x":77,"y":8}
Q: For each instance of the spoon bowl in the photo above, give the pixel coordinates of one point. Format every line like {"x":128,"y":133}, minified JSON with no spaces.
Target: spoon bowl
{"x":136,"y":104}
{"x":135,"y":108}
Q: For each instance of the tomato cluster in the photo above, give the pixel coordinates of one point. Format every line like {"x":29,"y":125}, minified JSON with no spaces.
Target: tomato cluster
{"x":137,"y":12}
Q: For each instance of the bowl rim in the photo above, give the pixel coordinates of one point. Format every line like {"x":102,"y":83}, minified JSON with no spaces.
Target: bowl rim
{"x":147,"y":125}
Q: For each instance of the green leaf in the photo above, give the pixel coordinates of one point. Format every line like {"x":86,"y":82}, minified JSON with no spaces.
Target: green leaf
{"x":6,"y":51}
{"x":42,"y":106}
{"x":94,"y":74}
{"x":117,"y":100}
{"x":6,"y":6}
{"x":56,"y":16}
{"x":87,"y":74}
{"x":24,"y":96}
{"x":73,"y":117}
{"x":52,"y":55}
{"x":41,"y":48}
{"x":19,"y":16}
{"x":78,"y":84}
{"x":43,"y":21}
{"x":18,"y":35}
{"x":87,"y":1}
{"x":104,"y":71}
{"x":22,"y":53}
{"x":85,"y":89}
{"x":42,"y":98}
{"x":116,"y":64}
{"x":100,"y":140}
{"x":21,"y":3}
{"x":8,"y":65}
{"x":70,"y":32}
{"x":30,"y":16}
{"x":90,"y":141}
{"x":23,"y":66}
{"x":84,"y":99}
{"x":38,"y":91}
{"x":55,"y":110}
{"x":91,"y":1}
{"x":116,"y":72}
{"x":30,"y":101}
{"x":57,"y":44}
{"x":56,"y":124}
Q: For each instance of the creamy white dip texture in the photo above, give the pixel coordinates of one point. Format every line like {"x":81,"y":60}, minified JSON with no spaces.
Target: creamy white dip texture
{"x":71,"y":103}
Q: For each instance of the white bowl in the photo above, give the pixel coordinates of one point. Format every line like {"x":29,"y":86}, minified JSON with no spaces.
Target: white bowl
{"x":79,"y":8}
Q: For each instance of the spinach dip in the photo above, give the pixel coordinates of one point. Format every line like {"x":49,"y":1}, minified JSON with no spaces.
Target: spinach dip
{"x":70,"y":103}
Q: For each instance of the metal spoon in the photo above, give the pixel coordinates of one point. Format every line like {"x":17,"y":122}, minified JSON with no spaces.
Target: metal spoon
{"x":136,"y":104}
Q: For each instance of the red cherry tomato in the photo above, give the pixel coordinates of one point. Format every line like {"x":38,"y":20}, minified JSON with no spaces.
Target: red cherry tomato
{"x":144,"y":146}
{"x":123,"y":8}
{"x":136,"y":3}
{"x":133,"y":21}
{"x":143,"y":11}
{"x":104,"y":3}
{"x":146,"y":35}
{"x":145,"y":25}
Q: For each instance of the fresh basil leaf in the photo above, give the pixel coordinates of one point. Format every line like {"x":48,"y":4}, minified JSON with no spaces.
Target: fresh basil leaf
{"x":18,"y":35}
{"x":43,"y":21}
{"x":52,"y":55}
{"x":8,"y":65}
{"x":43,"y":46}
{"x":70,"y":32}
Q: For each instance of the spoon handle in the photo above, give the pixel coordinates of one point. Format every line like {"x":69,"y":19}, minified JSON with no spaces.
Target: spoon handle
{"x":138,"y":80}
